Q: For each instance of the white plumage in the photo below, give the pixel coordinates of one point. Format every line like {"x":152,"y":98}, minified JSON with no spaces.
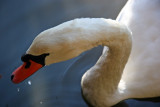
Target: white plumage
{"x":68,"y":40}
{"x":142,"y":73}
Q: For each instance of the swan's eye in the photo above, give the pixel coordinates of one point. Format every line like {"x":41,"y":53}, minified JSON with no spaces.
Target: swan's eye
{"x":38,"y":59}
{"x":25,"y":58}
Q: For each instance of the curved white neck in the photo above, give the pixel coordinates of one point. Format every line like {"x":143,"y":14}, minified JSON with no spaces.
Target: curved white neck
{"x":74,"y":37}
{"x":101,"y":81}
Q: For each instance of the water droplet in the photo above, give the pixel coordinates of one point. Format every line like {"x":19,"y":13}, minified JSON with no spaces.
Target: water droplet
{"x":29,"y":82}
{"x":18,"y":89}
{"x":41,"y":102}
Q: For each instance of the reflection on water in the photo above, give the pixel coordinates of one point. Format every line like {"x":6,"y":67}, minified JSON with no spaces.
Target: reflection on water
{"x":18,"y":89}
{"x":41,"y":102}
{"x":29,"y":82}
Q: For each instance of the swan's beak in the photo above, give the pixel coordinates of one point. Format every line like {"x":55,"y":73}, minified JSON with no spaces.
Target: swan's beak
{"x":23,"y":72}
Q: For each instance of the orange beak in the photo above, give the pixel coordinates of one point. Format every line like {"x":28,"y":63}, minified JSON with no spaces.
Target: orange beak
{"x":23,"y":72}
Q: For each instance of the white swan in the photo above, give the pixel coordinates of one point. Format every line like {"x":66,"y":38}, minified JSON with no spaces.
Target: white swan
{"x":142,"y":72}
{"x":140,"y":78}
{"x":100,"y":83}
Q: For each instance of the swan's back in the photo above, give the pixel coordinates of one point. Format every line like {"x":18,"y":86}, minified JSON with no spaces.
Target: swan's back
{"x":143,"y":69}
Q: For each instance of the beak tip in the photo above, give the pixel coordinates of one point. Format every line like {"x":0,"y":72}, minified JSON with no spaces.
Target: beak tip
{"x":12,"y":79}
{"x":12,"y":76}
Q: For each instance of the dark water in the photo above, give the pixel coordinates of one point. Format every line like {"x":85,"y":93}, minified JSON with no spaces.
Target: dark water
{"x":57,"y":85}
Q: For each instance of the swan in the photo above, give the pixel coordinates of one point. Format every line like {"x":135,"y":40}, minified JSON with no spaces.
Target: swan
{"x":140,"y":77}
{"x":100,"y":84}
{"x":142,"y":72}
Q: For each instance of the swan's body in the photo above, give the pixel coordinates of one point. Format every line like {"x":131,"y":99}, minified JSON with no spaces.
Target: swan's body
{"x":100,"y":83}
{"x":142,"y":72}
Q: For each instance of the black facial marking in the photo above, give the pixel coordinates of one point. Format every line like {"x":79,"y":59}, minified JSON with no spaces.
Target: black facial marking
{"x":39,"y":59}
{"x":28,"y":64}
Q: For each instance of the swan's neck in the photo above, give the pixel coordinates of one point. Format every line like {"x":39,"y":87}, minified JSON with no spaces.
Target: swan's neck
{"x":74,"y":37}
{"x":100,"y":83}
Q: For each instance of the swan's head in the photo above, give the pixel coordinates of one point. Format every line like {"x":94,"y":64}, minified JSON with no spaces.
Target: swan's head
{"x":50,"y":46}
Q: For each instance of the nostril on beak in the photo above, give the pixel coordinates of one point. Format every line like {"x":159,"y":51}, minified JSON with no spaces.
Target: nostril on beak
{"x":12,"y":76}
